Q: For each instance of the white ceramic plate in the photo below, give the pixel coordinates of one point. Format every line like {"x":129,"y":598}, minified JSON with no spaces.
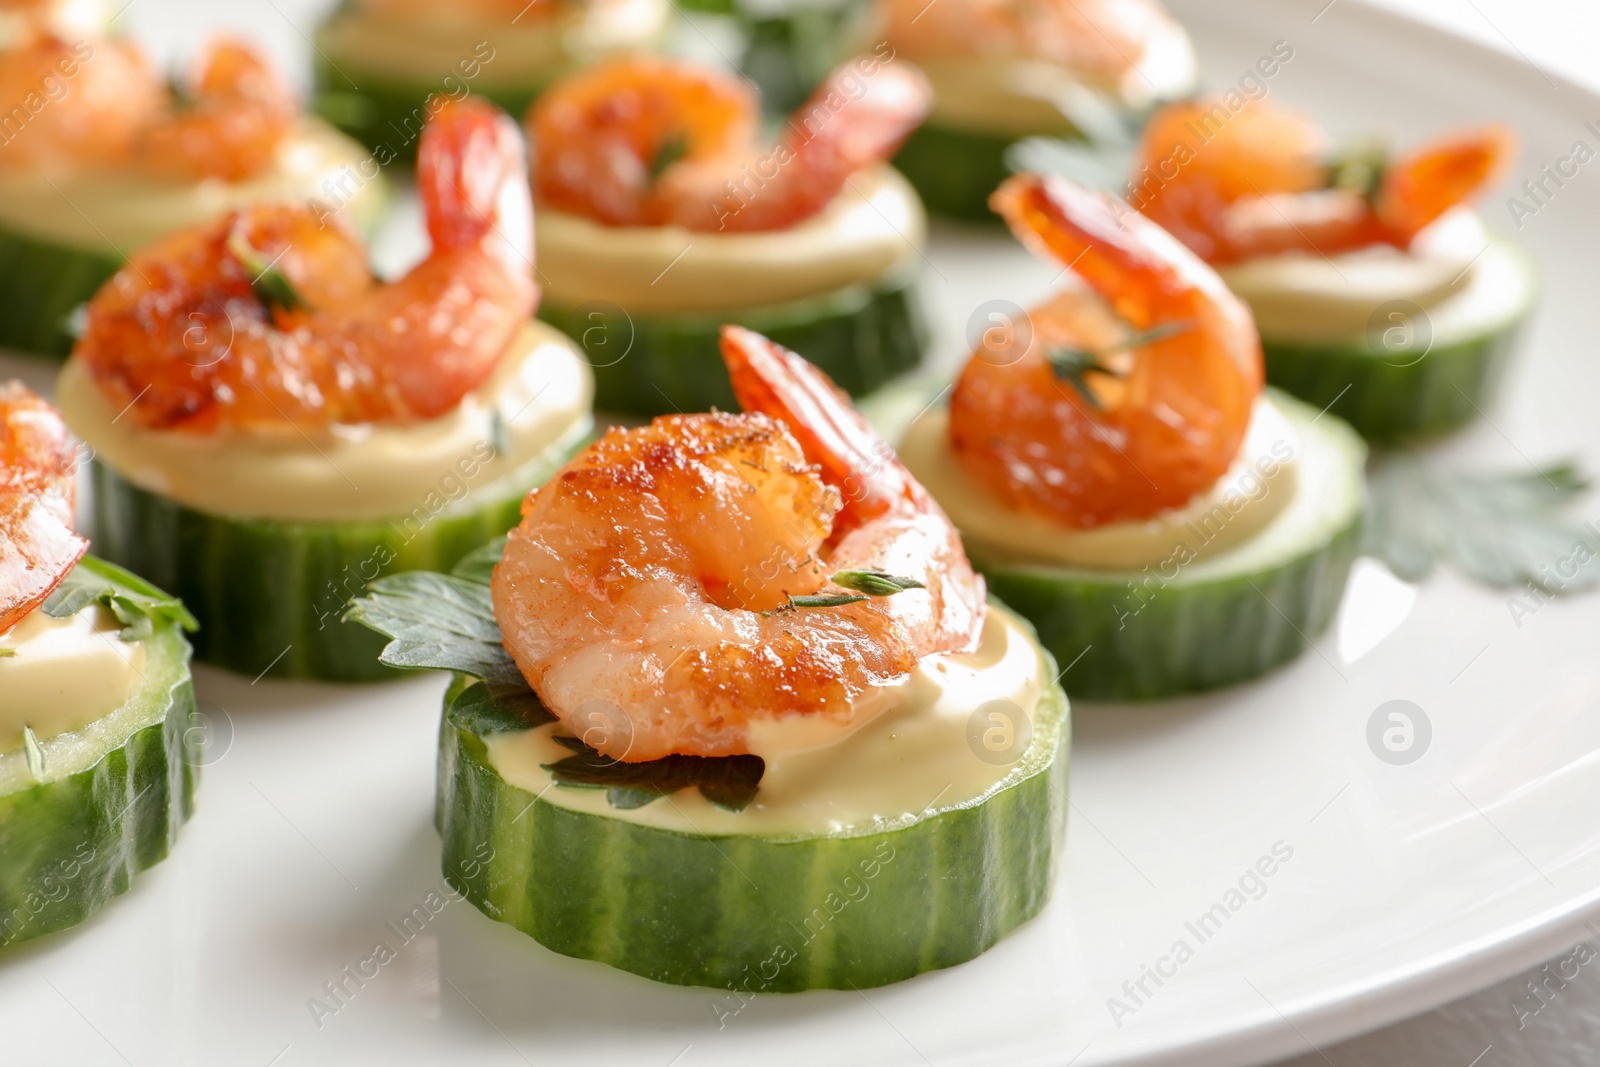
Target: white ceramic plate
{"x":1407,"y":885}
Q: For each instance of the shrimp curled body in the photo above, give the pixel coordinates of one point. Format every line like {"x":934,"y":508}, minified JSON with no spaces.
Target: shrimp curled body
{"x":654,"y":573}
{"x":102,"y":105}
{"x":1160,"y":411}
{"x":37,"y":544}
{"x":646,"y":141}
{"x":183,"y":335}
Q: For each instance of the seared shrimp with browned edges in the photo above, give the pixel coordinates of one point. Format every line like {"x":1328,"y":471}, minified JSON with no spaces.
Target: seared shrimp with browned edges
{"x":696,"y":573}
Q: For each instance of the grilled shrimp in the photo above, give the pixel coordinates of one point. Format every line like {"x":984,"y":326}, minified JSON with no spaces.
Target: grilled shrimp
{"x":1131,"y":397}
{"x":666,"y":571}
{"x":651,"y":141}
{"x":269,"y":318}
{"x":1233,"y":186}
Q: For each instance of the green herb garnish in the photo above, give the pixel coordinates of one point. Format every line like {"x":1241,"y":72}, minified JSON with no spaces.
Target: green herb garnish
{"x":137,"y":604}
{"x":874,"y":583}
{"x":1502,"y":529}
{"x":1071,"y":364}
{"x":446,"y":622}
{"x":823,"y":600}
{"x":727,"y":781}
{"x":674,"y":148}
{"x":271,"y":286}
{"x":1359,"y":170}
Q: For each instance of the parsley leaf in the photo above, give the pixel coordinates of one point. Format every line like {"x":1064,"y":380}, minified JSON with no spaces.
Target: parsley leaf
{"x":1503,"y":529}
{"x":446,"y":622}
{"x":727,"y":781}
{"x":137,"y":604}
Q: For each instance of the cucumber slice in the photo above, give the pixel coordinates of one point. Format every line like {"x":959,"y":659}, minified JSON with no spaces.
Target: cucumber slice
{"x":954,"y":171}
{"x":1227,"y":618}
{"x":111,"y":796}
{"x":863,"y":336}
{"x":1417,"y":390}
{"x":43,"y":284}
{"x":270,"y":594}
{"x":675,"y":907}
{"x":919,"y":887}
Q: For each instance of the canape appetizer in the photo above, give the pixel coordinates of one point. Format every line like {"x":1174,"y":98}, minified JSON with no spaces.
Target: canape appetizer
{"x":273,"y":428}
{"x":379,"y":63}
{"x":662,"y":216}
{"x":98,"y":743}
{"x":1121,"y":480}
{"x":1378,"y":293}
{"x":1005,"y":70}
{"x":101,"y":156}
{"x":734,"y":710}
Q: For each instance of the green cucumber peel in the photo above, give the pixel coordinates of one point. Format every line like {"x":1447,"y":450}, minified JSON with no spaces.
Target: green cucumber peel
{"x":137,"y":604}
{"x":1502,"y":529}
{"x":446,"y":622}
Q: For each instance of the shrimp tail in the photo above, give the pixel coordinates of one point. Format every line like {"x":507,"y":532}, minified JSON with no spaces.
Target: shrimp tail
{"x":878,"y":112}
{"x":1438,"y":176}
{"x":854,"y":459}
{"x":472,"y":176}
{"x":1125,"y":257}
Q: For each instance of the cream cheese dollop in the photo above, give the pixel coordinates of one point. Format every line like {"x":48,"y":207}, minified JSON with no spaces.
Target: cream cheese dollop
{"x":120,"y":212}
{"x":538,"y":397}
{"x":873,"y":227}
{"x":58,"y":675}
{"x":899,"y":750}
{"x":1303,"y":296}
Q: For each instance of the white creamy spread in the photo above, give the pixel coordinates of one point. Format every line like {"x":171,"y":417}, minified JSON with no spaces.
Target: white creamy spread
{"x":120,"y":211}
{"x":875,"y":225}
{"x":1303,"y":296}
{"x":446,"y":43}
{"x":995,"y":95}
{"x":539,"y":396}
{"x":902,"y":749}
{"x":1262,"y":482}
{"x":61,"y":674}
